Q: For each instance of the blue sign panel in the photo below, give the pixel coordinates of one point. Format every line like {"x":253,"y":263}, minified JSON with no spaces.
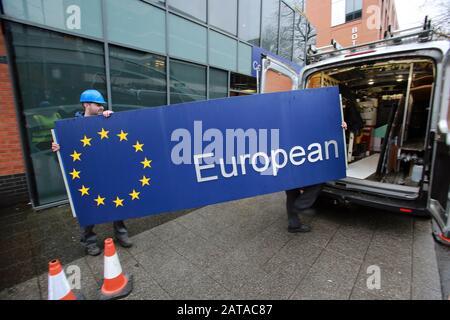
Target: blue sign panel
{"x":156,"y":160}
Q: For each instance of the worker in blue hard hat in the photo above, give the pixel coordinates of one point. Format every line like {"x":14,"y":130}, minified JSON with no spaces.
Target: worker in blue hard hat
{"x":93,"y":105}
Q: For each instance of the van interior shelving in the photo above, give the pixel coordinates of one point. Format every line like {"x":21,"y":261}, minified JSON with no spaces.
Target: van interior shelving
{"x":392,"y":98}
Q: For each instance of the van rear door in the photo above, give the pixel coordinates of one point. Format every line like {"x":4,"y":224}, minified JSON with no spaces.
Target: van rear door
{"x":439,"y":196}
{"x":277,"y":77}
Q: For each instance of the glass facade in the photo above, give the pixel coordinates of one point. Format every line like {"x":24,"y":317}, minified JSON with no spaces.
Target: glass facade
{"x":250,"y":21}
{"x":138,"y":53}
{"x":194,"y":8}
{"x":286,"y":31}
{"x":137,"y":24}
{"x":304,"y":36}
{"x":218,"y":84}
{"x":270,"y":24}
{"x":187,"y":40}
{"x":245,"y":59}
{"x":223,"y":15}
{"x":52,"y":71}
{"x":79,"y":16}
{"x":138,"y":79}
{"x":187,"y":82}
{"x":222,"y":51}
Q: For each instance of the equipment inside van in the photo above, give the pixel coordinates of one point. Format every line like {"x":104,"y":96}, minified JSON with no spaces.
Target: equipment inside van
{"x":391,"y":103}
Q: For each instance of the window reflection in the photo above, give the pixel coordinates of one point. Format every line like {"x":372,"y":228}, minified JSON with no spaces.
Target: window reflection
{"x":187,"y":82}
{"x":286,"y":31}
{"x":270,"y":25}
{"x":304,"y":36}
{"x":218,"y":83}
{"x":250,"y":21}
{"x":138,"y":79}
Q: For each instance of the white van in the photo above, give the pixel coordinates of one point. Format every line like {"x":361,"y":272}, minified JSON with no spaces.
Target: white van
{"x":397,"y":151}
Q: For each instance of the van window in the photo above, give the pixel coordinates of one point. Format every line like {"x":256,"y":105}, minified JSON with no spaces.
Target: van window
{"x":387,"y":107}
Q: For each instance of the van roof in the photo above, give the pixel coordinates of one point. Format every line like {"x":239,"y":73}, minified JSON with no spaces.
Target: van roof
{"x":371,"y":50}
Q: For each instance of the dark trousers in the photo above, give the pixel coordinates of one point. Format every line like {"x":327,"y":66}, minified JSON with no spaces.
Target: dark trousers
{"x":300,"y":199}
{"x":89,"y":237}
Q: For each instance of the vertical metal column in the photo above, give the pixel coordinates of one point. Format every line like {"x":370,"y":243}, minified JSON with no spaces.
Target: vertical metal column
{"x":106,"y":52}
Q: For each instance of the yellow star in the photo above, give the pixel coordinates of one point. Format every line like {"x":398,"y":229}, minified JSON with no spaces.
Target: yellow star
{"x":122,"y":135}
{"x":135,"y":195}
{"x":145,"y":181}
{"x":103,"y":134}
{"x":100,"y":201}
{"x":76,"y":156}
{"x":86,"y":141}
{"x":75,"y":174}
{"x":138,"y":146}
{"x":84,"y":191}
{"x":118,"y":202}
{"x":147,"y":163}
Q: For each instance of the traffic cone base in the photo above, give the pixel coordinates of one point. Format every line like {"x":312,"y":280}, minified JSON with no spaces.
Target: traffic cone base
{"x":58,"y":286}
{"x":116,"y":284}
{"x":125,"y":291}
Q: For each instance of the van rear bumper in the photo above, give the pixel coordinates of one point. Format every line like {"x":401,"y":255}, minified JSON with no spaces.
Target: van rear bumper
{"x":412,"y":207}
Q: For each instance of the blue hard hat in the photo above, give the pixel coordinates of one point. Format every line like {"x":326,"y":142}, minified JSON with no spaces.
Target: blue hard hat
{"x":92,"y":96}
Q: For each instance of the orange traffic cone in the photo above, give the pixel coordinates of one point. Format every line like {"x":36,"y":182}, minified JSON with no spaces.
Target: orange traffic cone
{"x":116,"y":284}
{"x":58,"y":286}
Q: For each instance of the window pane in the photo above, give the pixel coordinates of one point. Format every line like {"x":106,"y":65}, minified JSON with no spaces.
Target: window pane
{"x":187,"y":82}
{"x":349,"y":6}
{"x":137,"y":23}
{"x":223,"y":14}
{"x":138,"y":79}
{"x":305,"y":35}
{"x":222,"y":51}
{"x":270,"y":25}
{"x":194,"y":8}
{"x":245,"y":59}
{"x":250,"y":21}
{"x":358,"y":5}
{"x":187,"y":39}
{"x":52,"y":71}
{"x":286,"y":32}
{"x":79,"y":16}
{"x":218,"y":84}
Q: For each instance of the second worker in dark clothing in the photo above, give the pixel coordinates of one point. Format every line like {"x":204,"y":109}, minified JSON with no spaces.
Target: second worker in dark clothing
{"x":300,"y":199}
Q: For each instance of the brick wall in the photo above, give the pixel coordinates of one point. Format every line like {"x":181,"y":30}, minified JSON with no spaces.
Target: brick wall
{"x":319,"y":13}
{"x":13,"y":187}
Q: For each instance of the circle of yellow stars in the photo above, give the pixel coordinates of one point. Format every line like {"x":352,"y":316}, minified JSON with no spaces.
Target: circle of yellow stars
{"x":99,"y":200}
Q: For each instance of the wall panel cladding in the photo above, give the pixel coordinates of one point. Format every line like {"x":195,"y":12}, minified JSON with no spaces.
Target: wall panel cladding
{"x":13,"y":190}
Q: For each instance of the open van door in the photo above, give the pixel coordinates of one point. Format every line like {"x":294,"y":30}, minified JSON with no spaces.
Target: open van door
{"x":277,"y":77}
{"x":439,"y":196}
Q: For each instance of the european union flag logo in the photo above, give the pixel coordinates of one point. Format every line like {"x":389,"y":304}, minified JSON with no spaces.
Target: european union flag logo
{"x":105,"y":197}
{"x":96,"y":171}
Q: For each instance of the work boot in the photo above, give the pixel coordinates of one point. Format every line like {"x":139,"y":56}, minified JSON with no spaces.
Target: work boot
{"x":93,"y":250}
{"x":300,"y":228}
{"x":294,"y":224}
{"x":124,"y":241}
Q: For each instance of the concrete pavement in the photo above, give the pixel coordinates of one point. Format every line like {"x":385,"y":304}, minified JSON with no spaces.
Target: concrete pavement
{"x":242,"y":250}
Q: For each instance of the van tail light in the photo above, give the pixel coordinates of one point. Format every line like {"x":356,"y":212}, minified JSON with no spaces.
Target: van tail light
{"x":404,"y":210}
